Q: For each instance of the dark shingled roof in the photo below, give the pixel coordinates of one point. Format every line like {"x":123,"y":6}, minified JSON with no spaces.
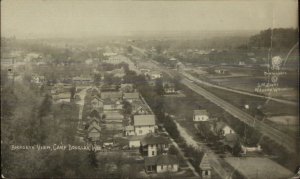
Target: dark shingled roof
{"x":161,"y":160}
{"x":166,"y":159}
{"x":150,"y":160}
{"x":220,"y":125}
{"x":144,"y":120}
{"x":230,"y":140}
{"x":205,"y":164}
{"x":133,"y":95}
{"x":91,"y":119}
{"x":94,"y":126}
{"x":154,"y":139}
{"x":200,"y":112}
{"x":105,"y":95}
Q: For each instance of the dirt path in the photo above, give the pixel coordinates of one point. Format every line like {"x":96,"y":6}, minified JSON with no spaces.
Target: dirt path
{"x":213,"y":158}
{"x":190,"y":166}
{"x":82,"y":95}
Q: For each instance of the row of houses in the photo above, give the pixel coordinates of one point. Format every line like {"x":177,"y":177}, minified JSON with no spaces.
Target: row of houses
{"x":108,"y":107}
{"x":219,"y":128}
{"x":142,"y":134}
{"x":228,"y":136}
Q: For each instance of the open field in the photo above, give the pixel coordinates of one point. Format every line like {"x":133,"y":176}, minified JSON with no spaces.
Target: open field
{"x":259,"y":168}
{"x":247,"y":79}
{"x":182,"y":109}
{"x":288,"y":124}
{"x":269,"y":108}
{"x":285,"y":120}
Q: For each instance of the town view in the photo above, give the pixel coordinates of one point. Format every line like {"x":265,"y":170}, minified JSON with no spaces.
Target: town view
{"x":166,"y":89}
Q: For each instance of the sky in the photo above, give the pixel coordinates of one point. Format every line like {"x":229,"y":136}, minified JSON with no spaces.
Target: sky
{"x":74,"y":18}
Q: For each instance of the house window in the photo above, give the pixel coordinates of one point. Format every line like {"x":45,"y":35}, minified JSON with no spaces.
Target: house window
{"x":153,"y":153}
{"x":162,"y":167}
{"x":206,"y":172}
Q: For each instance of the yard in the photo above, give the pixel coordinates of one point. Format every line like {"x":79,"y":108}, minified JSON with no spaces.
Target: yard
{"x":259,"y":168}
{"x":274,"y":111}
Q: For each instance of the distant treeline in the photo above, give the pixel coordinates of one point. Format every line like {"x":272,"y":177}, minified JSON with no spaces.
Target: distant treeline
{"x":282,"y":38}
{"x":275,"y":38}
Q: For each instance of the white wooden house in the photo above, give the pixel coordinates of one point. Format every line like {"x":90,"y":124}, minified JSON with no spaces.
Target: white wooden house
{"x":223,"y":129}
{"x":161,"y":164}
{"x":200,"y":115}
{"x":144,"y":124}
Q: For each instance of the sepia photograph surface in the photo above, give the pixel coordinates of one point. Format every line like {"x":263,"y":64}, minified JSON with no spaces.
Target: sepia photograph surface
{"x":200,"y":89}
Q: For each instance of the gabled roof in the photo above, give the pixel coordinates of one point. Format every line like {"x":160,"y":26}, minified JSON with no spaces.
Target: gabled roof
{"x":94,"y":126}
{"x":108,"y":88}
{"x":161,"y":160}
{"x":105,"y":95}
{"x":95,"y":113}
{"x":127,"y":84}
{"x":144,"y":120}
{"x":139,"y":105}
{"x":62,"y":96}
{"x":79,"y":78}
{"x":91,"y":119}
{"x":168,"y":84}
{"x":231,"y":137}
{"x":205,"y":164}
{"x":230,"y":140}
{"x":95,"y":109}
{"x":96,"y":98}
{"x":129,"y":128}
{"x":109,"y":101}
{"x":135,"y":137}
{"x":166,"y":159}
{"x":155,"y":73}
{"x":200,"y":112}
{"x":113,"y":115}
{"x":134,"y":95}
{"x":154,"y":139}
{"x":221,"y":125}
{"x":150,"y":160}
{"x":95,"y":88}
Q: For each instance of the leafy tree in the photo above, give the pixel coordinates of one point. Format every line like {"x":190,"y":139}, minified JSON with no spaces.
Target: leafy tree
{"x":173,"y":150}
{"x":73,"y":91}
{"x":159,"y":87}
{"x":236,"y":150}
{"x":171,"y":127}
{"x":127,"y":108}
{"x":129,"y":49}
{"x":158,"y":49}
{"x":92,"y":159}
{"x":45,"y":107}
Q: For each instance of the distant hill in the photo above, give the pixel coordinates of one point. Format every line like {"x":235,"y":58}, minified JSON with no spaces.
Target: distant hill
{"x":280,"y":38}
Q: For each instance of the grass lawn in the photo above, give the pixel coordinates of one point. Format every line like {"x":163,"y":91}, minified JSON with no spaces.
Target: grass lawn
{"x":184,"y":107}
{"x":259,"y":168}
{"x":271,"y":108}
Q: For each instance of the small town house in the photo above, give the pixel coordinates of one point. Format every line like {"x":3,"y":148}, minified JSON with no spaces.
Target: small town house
{"x":144,"y":124}
{"x":153,"y":145}
{"x":161,"y":163}
{"x":93,"y":132}
{"x":200,"y":115}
